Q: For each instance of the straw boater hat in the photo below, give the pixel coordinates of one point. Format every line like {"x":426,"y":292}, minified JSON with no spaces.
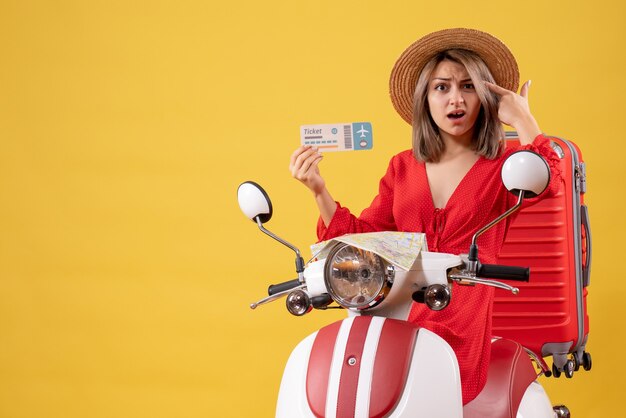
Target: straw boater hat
{"x":405,"y":73}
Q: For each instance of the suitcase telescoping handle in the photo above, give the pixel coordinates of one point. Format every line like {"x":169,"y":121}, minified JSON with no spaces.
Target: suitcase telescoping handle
{"x":496,"y":271}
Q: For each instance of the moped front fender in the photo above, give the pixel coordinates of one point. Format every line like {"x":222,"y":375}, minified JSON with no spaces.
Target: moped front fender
{"x":371,"y":366}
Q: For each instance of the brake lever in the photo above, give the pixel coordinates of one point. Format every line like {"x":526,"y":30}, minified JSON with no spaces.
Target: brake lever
{"x":275,"y":296}
{"x":470,"y":279}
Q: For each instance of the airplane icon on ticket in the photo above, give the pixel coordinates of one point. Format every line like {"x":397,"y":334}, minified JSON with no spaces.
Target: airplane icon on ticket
{"x":362,"y":131}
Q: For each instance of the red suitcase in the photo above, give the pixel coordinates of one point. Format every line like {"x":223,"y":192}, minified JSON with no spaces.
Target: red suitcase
{"x":552,"y":237}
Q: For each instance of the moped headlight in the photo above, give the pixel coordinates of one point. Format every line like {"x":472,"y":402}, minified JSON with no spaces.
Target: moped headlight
{"x":355,"y":278}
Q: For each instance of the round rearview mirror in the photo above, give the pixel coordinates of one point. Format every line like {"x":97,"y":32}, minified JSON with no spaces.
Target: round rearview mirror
{"x":525,"y":170}
{"x":254,"y":201}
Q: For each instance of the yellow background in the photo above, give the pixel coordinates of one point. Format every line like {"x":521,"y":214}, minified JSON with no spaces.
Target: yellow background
{"x":126,"y":268}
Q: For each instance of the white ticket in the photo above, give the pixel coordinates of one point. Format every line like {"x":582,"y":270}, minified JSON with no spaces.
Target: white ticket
{"x":354,"y":136}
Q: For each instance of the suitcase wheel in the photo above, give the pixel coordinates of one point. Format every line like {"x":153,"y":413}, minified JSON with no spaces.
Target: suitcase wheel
{"x":582,"y":360}
{"x":577,"y":361}
{"x":568,"y":369}
{"x":586,"y":361}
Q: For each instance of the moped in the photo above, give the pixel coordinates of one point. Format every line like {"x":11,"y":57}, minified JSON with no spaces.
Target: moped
{"x":376,"y":364}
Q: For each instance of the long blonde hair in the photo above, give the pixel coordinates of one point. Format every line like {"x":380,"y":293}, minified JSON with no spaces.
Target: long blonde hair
{"x":488,"y":132}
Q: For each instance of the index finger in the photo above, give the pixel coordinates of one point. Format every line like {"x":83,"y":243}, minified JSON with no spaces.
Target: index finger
{"x":496,"y":88}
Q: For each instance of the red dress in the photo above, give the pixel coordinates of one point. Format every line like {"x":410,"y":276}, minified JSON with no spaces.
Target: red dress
{"x":404,"y":203}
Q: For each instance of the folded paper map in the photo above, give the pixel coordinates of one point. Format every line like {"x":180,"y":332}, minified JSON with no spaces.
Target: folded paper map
{"x":399,"y":248}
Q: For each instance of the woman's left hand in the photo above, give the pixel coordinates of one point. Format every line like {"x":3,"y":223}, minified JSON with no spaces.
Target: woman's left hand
{"x":515,"y":111}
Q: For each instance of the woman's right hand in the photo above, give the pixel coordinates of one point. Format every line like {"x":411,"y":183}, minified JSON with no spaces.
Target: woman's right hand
{"x":514,"y":110}
{"x":304,"y":167}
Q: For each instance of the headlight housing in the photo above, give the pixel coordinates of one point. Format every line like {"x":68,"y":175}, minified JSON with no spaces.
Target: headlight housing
{"x":355,"y":278}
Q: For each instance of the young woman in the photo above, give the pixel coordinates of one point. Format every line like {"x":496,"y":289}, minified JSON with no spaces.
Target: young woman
{"x":456,"y":87}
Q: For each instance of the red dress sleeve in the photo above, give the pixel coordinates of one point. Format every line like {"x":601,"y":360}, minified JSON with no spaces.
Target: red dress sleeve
{"x":541,"y":145}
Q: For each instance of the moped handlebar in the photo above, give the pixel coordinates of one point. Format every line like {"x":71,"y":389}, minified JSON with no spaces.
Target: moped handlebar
{"x":496,"y":271}
{"x":281,"y":287}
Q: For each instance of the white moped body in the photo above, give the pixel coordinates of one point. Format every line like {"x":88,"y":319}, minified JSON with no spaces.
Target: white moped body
{"x":342,"y":372}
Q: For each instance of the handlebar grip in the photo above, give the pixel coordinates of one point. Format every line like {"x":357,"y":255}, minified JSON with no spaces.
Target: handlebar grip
{"x":496,"y":271}
{"x":281,"y":287}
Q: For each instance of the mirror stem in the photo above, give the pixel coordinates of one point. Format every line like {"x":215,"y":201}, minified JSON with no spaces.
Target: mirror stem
{"x":473,"y":253}
{"x":299,"y":259}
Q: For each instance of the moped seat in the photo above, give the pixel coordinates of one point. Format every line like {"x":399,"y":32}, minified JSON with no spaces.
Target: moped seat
{"x":509,"y":375}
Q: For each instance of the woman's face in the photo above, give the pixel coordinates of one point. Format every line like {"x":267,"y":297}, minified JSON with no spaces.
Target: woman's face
{"x":453,"y":102}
